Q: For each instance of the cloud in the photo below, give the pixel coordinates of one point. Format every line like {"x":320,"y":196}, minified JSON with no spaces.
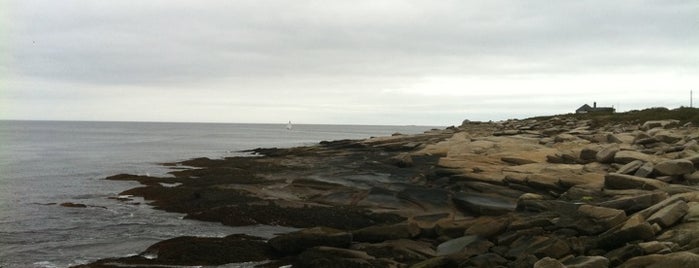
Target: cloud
{"x":306,"y":54}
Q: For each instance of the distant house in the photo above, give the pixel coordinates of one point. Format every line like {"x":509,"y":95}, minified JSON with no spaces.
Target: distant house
{"x":594,"y":109}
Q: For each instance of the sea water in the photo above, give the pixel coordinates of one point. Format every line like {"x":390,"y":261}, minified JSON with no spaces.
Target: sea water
{"x":45,"y":163}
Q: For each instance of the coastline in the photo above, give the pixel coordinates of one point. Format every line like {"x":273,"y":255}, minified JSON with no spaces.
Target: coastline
{"x":511,"y":193}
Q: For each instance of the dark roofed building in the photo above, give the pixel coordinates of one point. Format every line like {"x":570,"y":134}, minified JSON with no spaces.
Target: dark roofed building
{"x":594,"y":109}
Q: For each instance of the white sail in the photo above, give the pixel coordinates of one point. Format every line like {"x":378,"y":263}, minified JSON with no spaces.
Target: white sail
{"x":288,"y":126}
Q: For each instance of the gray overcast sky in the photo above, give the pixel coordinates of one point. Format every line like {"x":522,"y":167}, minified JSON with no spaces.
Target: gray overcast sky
{"x":360,"y":61}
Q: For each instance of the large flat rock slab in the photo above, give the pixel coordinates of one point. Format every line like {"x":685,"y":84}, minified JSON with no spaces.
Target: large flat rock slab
{"x":484,"y":204}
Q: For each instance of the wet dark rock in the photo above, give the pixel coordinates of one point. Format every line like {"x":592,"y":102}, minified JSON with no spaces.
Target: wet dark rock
{"x":484,"y":260}
{"x":211,"y":251}
{"x":341,"y":258}
{"x":402,"y":250}
{"x":299,"y":241}
{"x":345,"y":218}
{"x":524,"y":261}
{"x":189,"y":250}
{"x":488,"y":227}
{"x":429,"y":199}
{"x":73,"y":205}
{"x":402,"y":160}
{"x":532,"y":221}
{"x":484,"y":204}
{"x":510,"y":236}
{"x":459,"y":245}
{"x":436,"y":262}
{"x":453,"y":228}
{"x":540,"y":246}
{"x":380,"y":233}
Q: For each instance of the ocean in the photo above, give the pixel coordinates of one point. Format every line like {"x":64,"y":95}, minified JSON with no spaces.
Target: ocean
{"x":46,"y":163}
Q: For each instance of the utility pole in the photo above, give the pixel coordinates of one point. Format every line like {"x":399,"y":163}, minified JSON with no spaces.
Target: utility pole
{"x":691,"y":99}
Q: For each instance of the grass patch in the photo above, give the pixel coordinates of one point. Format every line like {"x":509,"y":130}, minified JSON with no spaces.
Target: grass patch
{"x":683,"y":114}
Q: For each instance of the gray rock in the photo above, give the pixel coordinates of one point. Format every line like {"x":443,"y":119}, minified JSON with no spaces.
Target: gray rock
{"x":630,"y":167}
{"x":484,"y":204}
{"x":488,"y":227}
{"x":622,"y":181}
{"x":453,"y":228}
{"x":694,"y":158}
{"x":622,"y":254}
{"x":648,"y":142}
{"x":485,"y":260}
{"x":466,"y":245}
{"x":562,"y":158}
{"x":538,"y":246}
{"x":402,"y":250}
{"x":692,"y":178}
{"x":677,"y":259}
{"x":606,"y":155}
{"x":380,"y":233}
{"x":564,"y":138}
{"x":667,"y":137}
{"x":624,"y":157}
{"x":587,"y":262}
{"x":684,"y":234}
{"x":675,"y":167}
{"x":589,"y":154}
{"x":692,"y":213}
{"x":635,"y":203}
{"x":640,"y":137}
{"x":692,"y":145}
{"x":635,"y":228}
{"x":670,"y":214}
{"x":653,"y":247}
{"x":614,"y":138}
{"x":548,"y":262}
{"x":436,"y":262}
{"x":606,"y":217}
{"x":645,"y":170}
{"x":660,"y":123}
{"x":523,"y":261}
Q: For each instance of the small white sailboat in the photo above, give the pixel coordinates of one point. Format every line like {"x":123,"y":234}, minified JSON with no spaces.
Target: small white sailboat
{"x":289,"y":126}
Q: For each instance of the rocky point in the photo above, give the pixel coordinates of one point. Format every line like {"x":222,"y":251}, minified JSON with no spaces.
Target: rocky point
{"x":553,"y":192}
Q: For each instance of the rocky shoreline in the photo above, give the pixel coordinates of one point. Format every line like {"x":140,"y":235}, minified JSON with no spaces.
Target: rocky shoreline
{"x":555,"y":192}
